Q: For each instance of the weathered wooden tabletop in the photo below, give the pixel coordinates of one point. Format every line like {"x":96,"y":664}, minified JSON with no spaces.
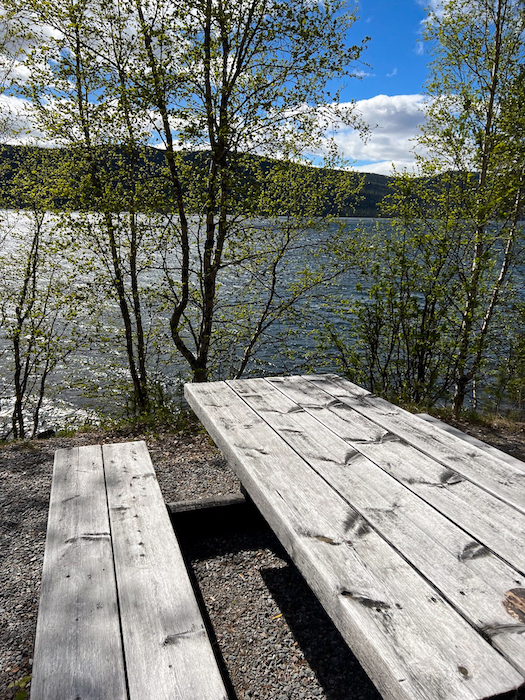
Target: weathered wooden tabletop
{"x":412,"y":539}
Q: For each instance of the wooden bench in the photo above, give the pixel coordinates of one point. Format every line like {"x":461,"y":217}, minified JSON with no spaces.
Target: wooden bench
{"x":412,"y":539}
{"x":118,"y":618}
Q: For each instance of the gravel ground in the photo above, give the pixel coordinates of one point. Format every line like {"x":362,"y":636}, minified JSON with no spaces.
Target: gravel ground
{"x":273,"y":636}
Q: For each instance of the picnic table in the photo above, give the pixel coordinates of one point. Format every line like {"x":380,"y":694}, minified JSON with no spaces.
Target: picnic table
{"x":412,"y":539}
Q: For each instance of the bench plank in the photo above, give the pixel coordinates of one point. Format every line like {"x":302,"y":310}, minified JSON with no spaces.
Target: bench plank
{"x":168,"y":653}
{"x":78,"y":651}
{"x":378,"y":601}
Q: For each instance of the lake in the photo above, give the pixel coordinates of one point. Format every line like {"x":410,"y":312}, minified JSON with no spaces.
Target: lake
{"x":94,"y":376}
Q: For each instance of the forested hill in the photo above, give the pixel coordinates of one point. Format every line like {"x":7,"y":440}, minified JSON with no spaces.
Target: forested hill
{"x":22,"y":169}
{"x":375,"y":188}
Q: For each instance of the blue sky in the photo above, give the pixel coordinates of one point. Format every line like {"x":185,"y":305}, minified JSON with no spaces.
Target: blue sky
{"x":395,"y":53}
{"x":389,"y":93}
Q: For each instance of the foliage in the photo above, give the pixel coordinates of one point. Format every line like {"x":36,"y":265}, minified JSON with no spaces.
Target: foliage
{"x":212,"y":87}
{"x":11,"y":41}
{"x":151,"y":164}
{"x":38,"y":303}
{"x":159,"y":419}
{"x":436,"y":288}
{"x":475,"y":126}
{"x":413,"y":279}
{"x":20,"y":686}
{"x":511,"y":377}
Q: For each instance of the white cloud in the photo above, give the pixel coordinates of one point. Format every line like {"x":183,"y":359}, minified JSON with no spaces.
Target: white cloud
{"x":13,"y":72}
{"x":391,"y":75}
{"x":432,"y":6}
{"x":394,"y":123}
{"x":358,"y":73}
{"x":385,"y":167}
{"x":17,"y":128}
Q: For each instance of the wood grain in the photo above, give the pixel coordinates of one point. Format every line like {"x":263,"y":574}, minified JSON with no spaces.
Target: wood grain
{"x":408,"y":637}
{"x":78,"y":652}
{"x":470,"y":576}
{"x":206,"y":504}
{"x":497,"y":524}
{"x":504,"y":480}
{"x":168,"y":652}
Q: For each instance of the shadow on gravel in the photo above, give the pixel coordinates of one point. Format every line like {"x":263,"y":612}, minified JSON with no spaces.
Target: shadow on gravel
{"x":219,"y":522}
{"x":329,"y":657}
{"x":228,"y":530}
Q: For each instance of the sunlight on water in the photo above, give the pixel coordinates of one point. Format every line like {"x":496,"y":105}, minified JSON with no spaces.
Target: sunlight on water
{"x":95,"y":376}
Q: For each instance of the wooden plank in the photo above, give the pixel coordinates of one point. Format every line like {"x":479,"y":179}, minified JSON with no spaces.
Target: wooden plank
{"x":496,"y":524}
{"x":474,"y":584}
{"x":234,"y":499}
{"x":503,"y":480}
{"x":409,"y":640}
{"x":168,"y":652}
{"x":78,"y":652}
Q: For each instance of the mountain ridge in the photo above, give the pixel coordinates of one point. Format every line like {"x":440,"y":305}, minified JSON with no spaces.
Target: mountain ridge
{"x":13,"y":158}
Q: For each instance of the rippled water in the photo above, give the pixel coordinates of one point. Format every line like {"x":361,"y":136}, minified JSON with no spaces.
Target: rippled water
{"x":102,"y":368}
{"x":94,"y":379}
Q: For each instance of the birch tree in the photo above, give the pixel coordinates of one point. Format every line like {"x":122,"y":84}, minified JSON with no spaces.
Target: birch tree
{"x":475,"y":127}
{"x":437,"y":279}
{"x":213,"y":85}
{"x":81,"y":88}
{"x":235,"y":79}
{"x":438,"y":284}
{"x":38,"y":300}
